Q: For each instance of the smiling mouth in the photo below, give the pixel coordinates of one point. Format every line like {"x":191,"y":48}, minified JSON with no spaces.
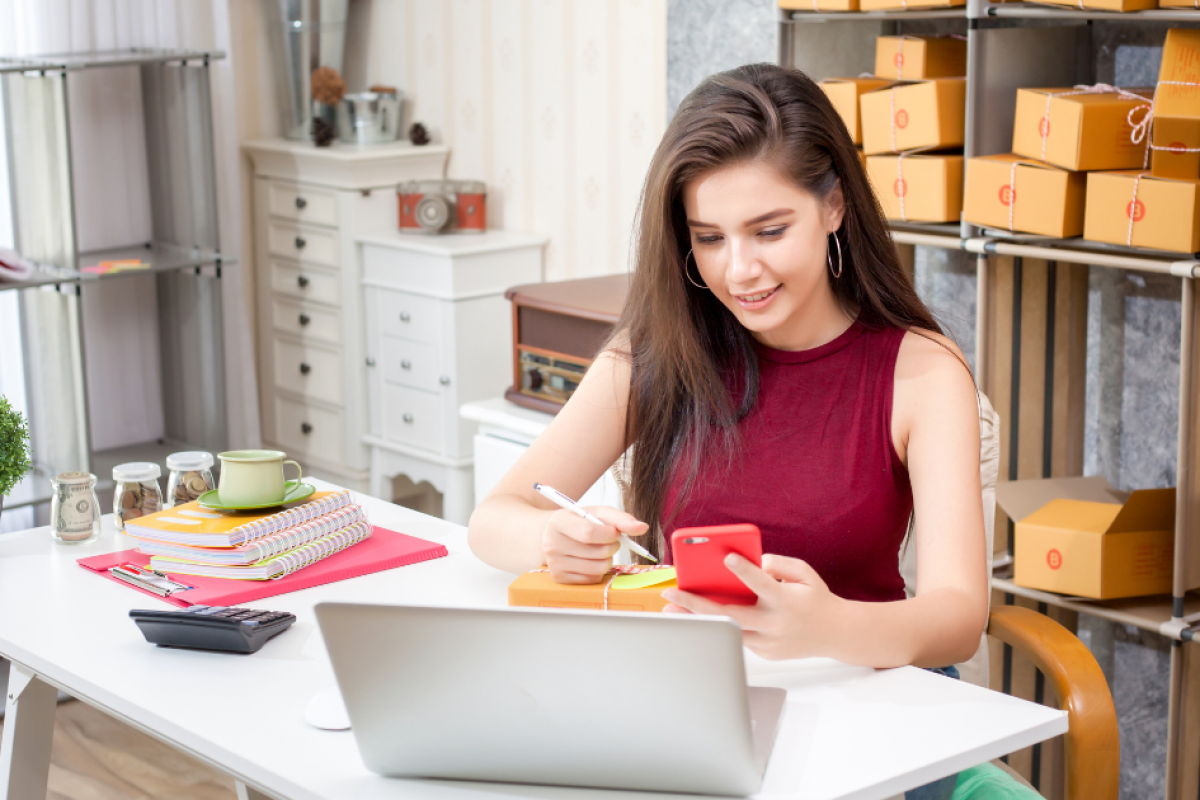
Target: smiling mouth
{"x":754,"y":298}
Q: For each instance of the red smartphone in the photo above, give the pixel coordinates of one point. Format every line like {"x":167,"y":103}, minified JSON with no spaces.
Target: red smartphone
{"x":700,"y":561}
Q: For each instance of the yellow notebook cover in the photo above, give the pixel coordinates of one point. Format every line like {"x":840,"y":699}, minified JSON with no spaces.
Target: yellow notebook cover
{"x":191,"y":524}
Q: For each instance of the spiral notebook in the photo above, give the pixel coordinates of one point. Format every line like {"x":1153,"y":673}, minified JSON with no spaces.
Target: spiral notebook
{"x":383,"y":550}
{"x":191,"y":524}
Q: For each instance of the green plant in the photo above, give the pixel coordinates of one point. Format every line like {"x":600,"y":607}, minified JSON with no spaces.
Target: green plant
{"x":14,"y":446}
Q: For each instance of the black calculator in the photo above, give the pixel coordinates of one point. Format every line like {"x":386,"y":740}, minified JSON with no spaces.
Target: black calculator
{"x":231,"y":630}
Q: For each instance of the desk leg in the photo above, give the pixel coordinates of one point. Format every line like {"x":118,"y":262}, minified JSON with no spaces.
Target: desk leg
{"x":245,"y":792}
{"x":28,"y":731}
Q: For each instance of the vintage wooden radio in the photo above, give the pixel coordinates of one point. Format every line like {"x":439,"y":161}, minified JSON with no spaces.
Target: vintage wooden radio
{"x":558,"y":328}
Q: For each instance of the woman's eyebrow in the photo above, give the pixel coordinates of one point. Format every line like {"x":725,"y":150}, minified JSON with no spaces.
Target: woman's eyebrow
{"x":779,"y":212}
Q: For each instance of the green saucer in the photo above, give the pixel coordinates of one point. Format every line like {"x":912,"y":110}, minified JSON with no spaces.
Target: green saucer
{"x":295,"y":491}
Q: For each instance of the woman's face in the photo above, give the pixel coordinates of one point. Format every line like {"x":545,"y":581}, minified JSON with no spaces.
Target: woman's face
{"x":759,"y":243}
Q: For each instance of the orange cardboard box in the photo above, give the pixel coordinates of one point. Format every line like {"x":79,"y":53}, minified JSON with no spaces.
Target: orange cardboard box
{"x":906,"y":116}
{"x":1177,"y":108}
{"x":918,"y":188}
{"x":1107,"y":5}
{"x":877,"y":5}
{"x":1047,"y":200}
{"x":1081,"y":537}
{"x":844,"y":94}
{"x":918,"y":58}
{"x":1165,"y":214}
{"x":538,"y":589}
{"x":819,"y":5}
{"x":1078,"y":131}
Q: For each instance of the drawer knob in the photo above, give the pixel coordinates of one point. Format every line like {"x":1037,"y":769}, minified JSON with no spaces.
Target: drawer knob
{"x":304,"y":319}
{"x":305,"y":369}
{"x":370,"y":361}
{"x":300,"y":243}
{"x":305,"y":428}
{"x":301,"y":202}
{"x":302,"y":281}
{"x":406,"y":364}
{"x":444,"y":380}
{"x":405,"y":316}
{"x":408,"y":418}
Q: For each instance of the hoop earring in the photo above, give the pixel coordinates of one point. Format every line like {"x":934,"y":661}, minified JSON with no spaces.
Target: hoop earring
{"x":829,"y":257}
{"x":687,"y":275}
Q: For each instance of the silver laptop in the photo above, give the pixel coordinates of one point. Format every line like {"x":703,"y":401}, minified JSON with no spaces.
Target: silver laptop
{"x":619,"y":700}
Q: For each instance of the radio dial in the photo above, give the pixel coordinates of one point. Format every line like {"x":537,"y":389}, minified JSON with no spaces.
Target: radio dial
{"x":535,"y":379}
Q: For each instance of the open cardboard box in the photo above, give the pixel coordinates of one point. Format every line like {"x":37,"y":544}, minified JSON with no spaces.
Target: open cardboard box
{"x":1081,"y":537}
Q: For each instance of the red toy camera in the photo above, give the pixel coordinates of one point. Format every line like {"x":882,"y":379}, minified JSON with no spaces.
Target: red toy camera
{"x":443,"y":206}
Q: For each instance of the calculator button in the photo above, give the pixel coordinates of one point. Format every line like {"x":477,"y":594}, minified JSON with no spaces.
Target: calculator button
{"x":195,"y":609}
{"x":211,"y":610}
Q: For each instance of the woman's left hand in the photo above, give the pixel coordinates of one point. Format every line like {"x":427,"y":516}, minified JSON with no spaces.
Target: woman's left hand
{"x":796,"y":615}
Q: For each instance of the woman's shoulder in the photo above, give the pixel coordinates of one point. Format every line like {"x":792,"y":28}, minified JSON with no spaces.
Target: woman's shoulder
{"x":933,"y":355}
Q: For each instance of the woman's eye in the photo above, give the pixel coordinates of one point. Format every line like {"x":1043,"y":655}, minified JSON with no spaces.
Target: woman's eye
{"x":773,"y":231}
{"x":707,"y":239}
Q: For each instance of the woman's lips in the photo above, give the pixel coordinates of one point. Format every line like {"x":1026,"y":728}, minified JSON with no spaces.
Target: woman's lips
{"x":760,"y":300}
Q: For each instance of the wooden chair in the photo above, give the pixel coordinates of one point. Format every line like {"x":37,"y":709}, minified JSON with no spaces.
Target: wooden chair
{"x":1093,"y":753}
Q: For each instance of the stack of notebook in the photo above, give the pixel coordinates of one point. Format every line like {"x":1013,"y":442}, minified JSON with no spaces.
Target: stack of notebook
{"x":191,"y":540}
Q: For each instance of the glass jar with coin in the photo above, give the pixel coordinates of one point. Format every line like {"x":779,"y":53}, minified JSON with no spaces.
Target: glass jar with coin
{"x":74,"y":509}
{"x":191,"y":476}
{"x":137,"y":493}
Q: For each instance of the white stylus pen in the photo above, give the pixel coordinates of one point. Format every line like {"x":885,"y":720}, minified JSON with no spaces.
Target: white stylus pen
{"x":560,"y":499}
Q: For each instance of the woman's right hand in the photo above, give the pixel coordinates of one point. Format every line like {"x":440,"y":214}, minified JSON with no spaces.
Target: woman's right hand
{"x":578,"y":551}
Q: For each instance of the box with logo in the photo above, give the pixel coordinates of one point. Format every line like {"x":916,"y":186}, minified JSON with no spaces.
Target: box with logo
{"x":819,"y":5}
{"x":1139,"y":210}
{"x":1176,"y":128}
{"x":640,"y":591}
{"x":1079,"y":130}
{"x":907,"y":5}
{"x":918,"y":57}
{"x":1011,"y":193}
{"x":918,"y":188}
{"x":921,"y":114}
{"x":844,"y":93}
{"x":1081,"y":537}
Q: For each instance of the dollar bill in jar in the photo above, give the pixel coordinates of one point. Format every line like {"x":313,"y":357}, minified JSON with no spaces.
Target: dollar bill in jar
{"x":74,"y":509}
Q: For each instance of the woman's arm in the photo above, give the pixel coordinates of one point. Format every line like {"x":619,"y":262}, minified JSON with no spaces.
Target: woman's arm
{"x":516,"y":529}
{"x":935,"y":424}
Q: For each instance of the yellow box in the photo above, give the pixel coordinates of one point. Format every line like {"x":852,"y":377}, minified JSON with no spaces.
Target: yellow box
{"x":1107,"y":5}
{"x":819,"y":5}
{"x":1048,"y":200}
{"x":538,"y":590}
{"x":1078,"y":131}
{"x":844,"y":93}
{"x":1177,"y":108}
{"x":1165,"y":214}
{"x":1081,"y":537}
{"x":877,"y":5}
{"x":919,"y":58}
{"x":931,"y":186}
{"x":906,"y":116}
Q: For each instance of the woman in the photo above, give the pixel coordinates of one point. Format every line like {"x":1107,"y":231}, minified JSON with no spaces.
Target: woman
{"x":772,"y":365}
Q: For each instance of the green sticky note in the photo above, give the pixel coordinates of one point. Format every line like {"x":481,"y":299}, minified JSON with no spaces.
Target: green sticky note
{"x":640,"y":580}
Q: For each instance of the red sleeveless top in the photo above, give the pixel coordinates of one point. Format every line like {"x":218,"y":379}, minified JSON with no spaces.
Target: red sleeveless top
{"x":816,"y":469}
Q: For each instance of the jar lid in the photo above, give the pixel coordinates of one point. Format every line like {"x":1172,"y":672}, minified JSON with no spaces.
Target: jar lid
{"x":136,"y":471}
{"x":72,"y":478}
{"x":190,"y":460}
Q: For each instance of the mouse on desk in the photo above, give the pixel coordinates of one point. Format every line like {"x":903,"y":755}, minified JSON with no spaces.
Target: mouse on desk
{"x":327,"y":711}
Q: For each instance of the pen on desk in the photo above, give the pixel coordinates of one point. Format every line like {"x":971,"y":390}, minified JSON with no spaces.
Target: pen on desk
{"x":560,"y":499}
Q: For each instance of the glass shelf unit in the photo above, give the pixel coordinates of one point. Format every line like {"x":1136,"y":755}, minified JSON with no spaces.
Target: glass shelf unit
{"x":898,"y":15}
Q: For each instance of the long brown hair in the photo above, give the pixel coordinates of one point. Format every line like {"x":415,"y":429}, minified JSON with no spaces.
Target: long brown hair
{"x":686,"y":349}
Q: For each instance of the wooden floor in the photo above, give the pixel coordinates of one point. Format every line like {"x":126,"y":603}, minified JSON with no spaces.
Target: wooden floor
{"x":96,"y":757}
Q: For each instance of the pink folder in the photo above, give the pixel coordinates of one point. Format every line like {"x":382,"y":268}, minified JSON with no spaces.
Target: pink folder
{"x":383,"y":550}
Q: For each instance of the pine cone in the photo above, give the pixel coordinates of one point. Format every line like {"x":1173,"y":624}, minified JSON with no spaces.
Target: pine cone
{"x":322,"y":132}
{"x":327,"y":86}
{"x":417,"y":134}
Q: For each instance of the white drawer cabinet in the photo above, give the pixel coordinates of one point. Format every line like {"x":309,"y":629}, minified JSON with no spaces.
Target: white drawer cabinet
{"x":310,"y":205}
{"x":439,"y":334}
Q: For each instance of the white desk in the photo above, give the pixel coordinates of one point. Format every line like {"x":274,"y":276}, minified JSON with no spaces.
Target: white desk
{"x":848,"y":732}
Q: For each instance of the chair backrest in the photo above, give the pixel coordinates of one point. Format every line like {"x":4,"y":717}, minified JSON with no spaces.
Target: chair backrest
{"x":975,"y":669}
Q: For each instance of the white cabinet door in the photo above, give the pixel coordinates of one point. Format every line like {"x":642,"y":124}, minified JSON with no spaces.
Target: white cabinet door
{"x":495,"y":456}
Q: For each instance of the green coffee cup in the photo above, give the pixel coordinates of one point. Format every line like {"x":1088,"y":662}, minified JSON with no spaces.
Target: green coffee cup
{"x":253,"y":477}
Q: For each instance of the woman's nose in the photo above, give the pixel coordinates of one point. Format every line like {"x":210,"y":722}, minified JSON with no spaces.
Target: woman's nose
{"x":744,"y":264}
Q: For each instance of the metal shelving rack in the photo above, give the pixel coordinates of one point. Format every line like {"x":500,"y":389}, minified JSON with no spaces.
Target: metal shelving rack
{"x":183,"y":256}
{"x":1002,"y":55}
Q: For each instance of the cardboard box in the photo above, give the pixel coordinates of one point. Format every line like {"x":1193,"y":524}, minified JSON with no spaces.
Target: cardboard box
{"x":878,"y":5}
{"x":1106,"y":5}
{"x":538,"y":589}
{"x":1081,"y":537}
{"x":1165,"y":214}
{"x":844,"y":94}
{"x":1048,"y":200}
{"x":927,"y":114}
{"x":819,"y":5}
{"x":917,"y":58}
{"x":930,"y":186}
{"x":1177,"y":108}
{"x":1078,"y":131}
